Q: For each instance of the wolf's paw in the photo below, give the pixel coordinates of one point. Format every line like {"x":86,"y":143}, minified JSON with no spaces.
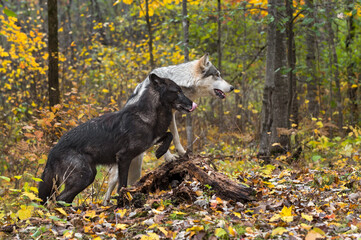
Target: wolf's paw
{"x":180,"y":151}
{"x":170,"y":157}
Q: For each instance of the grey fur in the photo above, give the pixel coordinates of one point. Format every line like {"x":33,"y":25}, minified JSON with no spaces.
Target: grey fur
{"x":198,"y":78}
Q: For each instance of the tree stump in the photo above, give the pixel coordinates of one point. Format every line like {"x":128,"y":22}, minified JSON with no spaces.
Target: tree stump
{"x":175,"y":174}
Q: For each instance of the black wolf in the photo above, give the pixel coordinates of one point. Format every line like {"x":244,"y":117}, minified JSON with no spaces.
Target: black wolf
{"x":198,"y":78}
{"x":113,"y":138}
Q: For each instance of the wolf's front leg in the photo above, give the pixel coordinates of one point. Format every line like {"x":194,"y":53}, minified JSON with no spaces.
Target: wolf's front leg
{"x":163,"y":148}
{"x":178,"y":146}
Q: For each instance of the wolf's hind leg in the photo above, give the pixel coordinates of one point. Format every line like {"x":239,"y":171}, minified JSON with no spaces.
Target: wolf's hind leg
{"x":135,"y":169}
{"x":134,"y":173}
{"x":80,"y":176}
{"x":123,"y":169}
{"x":113,"y":180}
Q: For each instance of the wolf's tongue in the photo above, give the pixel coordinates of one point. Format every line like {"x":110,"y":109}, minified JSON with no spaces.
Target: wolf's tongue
{"x":194,"y":106}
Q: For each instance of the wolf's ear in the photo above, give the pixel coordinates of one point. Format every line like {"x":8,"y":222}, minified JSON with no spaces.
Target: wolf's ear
{"x":155,"y":79}
{"x":204,"y":62}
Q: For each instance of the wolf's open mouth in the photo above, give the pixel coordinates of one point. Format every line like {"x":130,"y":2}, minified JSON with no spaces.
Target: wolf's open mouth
{"x":219,"y":93}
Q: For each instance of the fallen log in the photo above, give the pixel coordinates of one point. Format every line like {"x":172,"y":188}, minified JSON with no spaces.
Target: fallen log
{"x":173,"y":176}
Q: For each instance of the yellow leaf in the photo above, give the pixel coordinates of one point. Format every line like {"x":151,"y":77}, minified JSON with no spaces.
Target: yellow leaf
{"x":121,"y":226}
{"x":68,"y":234}
{"x":89,"y":215}
{"x":231,"y":231}
{"x":150,"y":236}
{"x":314,"y":119}
{"x":179,"y":213}
{"x":31,"y":196}
{"x":25,"y":212}
{"x":237,"y":214}
{"x":275,"y":218}
{"x":121,"y":212}
{"x":237,"y":91}
{"x":80,"y":115}
{"x":105,"y":90}
{"x":220,"y":232}
{"x":129,"y":196}
{"x":153,"y":226}
{"x":97,"y":238}
{"x":195,"y":228}
{"x":60,"y":210}
{"x":319,"y":124}
{"x":305,"y":226}
{"x":318,"y":230}
{"x":286,"y":214}
{"x":307,"y":217}
{"x":354,"y":86}
{"x":162,"y":229}
{"x":128,"y":1}
{"x":279,"y":231}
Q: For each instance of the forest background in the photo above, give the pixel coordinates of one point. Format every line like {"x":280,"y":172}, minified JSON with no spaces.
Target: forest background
{"x":294,"y":115}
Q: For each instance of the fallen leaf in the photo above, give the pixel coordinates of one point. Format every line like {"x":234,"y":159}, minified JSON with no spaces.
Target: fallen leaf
{"x":278,"y":231}
{"x":307,"y":217}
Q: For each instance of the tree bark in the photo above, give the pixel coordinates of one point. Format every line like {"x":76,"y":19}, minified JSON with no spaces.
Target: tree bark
{"x":334,"y":64}
{"x":276,"y":92}
{"x":269,"y":87}
{"x":291,"y":62}
{"x":53,"y":47}
{"x":176,"y":174}
{"x":189,"y":128}
{"x":219,"y":52}
{"x":150,"y":33}
{"x":352,"y":83}
{"x":312,"y":80}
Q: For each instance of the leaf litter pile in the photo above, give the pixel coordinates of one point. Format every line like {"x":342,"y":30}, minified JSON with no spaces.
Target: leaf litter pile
{"x":177,"y":201}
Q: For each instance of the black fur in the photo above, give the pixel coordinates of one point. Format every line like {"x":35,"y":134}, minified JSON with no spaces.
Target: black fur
{"x":113,"y":138}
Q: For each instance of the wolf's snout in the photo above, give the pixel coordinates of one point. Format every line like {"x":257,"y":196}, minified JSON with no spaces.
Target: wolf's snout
{"x":232,"y":88}
{"x":194,"y":106}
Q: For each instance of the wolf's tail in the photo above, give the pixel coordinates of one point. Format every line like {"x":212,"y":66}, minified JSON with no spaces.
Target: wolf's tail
{"x":46,"y":188}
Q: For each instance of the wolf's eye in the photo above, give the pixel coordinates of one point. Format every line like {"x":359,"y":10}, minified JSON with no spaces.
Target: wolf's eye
{"x":218,"y":74}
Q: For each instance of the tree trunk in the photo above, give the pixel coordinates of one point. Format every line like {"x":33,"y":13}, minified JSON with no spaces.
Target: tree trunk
{"x":150,"y":42}
{"x":189,"y":128}
{"x":266,"y":114}
{"x":291,"y":60}
{"x":219,"y":51}
{"x":53,"y":74}
{"x":276,"y":92}
{"x":312,"y":81}
{"x":334,"y":63}
{"x":352,"y":83}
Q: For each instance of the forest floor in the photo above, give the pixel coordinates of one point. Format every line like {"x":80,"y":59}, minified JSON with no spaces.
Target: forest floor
{"x":288,"y":202}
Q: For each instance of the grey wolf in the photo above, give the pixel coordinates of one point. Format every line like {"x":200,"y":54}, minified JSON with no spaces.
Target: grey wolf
{"x":113,"y":138}
{"x":198,"y":78}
